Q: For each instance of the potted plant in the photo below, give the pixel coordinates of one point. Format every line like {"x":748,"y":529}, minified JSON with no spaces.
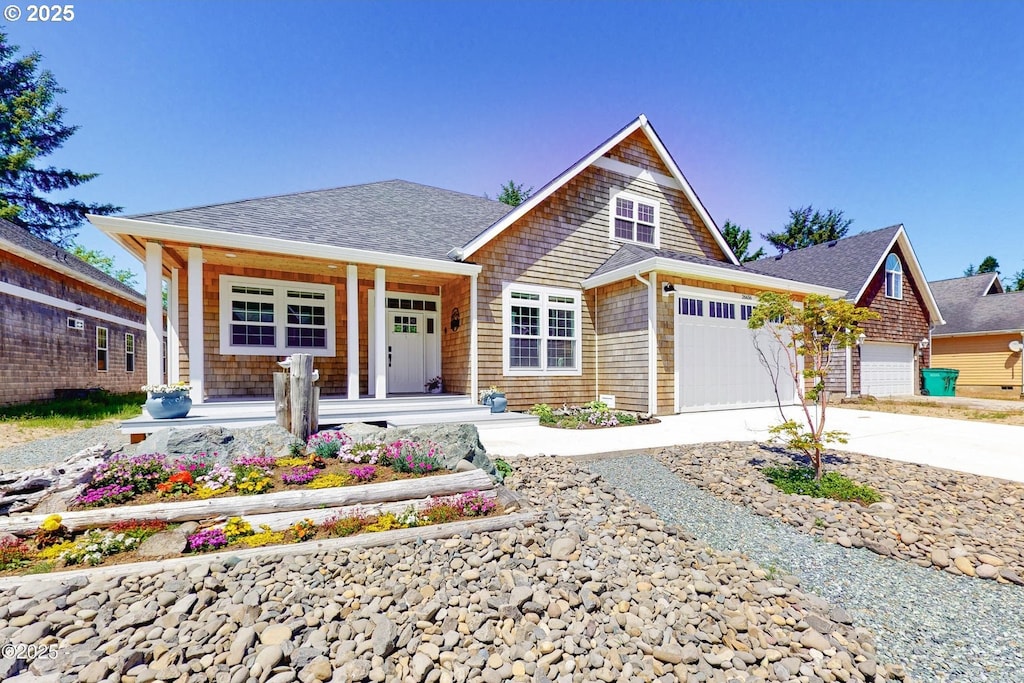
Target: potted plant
{"x":495,"y":398}
{"x":435,"y":385}
{"x":168,"y":401}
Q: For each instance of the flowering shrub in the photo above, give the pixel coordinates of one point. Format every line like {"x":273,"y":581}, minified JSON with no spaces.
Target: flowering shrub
{"x":207,"y":539}
{"x":138,"y":528}
{"x":179,"y":482}
{"x":303,"y":530}
{"x":345,"y":526}
{"x":367,"y":452}
{"x":303,"y":474}
{"x":104,"y":495}
{"x":14,"y":553}
{"x":197,"y":465}
{"x":254,"y":482}
{"x":237,"y":528}
{"x":141,"y":473}
{"x":417,"y":457}
{"x":326,"y":481}
{"x":95,"y":545}
{"x":219,"y":477}
{"x":329,"y":443}
{"x":474,"y":504}
{"x":363,"y":473}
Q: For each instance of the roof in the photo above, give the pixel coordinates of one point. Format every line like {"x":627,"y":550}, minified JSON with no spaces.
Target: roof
{"x":639,"y":123}
{"x":51,"y":256}
{"x":632,"y":259}
{"x":847,"y":264}
{"x":392,"y":216}
{"x":969,"y":309}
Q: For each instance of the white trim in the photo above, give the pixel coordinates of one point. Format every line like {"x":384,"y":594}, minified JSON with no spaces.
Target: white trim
{"x":380,"y":341}
{"x":105,"y":349}
{"x":636,"y":199}
{"x":154,"y":313}
{"x":352,"y":317}
{"x":543,"y":292}
{"x":915,"y":269}
{"x":995,"y":277}
{"x":897,"y":284}
{"x":280,"y":301}
{"x":196,"y":347}
{"x":639,"y":123}
{"x":652,"y":344}
{"x":637,"y":173}
{"x":173,"y":328}
{"x":950,"y":335}
{"x":710,"y":273}
{"x":126,"y":354}
{"x":39,"y":298}
{"x":474,"y":340}
{"x":137,"y":228}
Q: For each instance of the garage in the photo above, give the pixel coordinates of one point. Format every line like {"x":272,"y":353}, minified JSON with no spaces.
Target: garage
{"x":886,"y":369}
{"x":717,"y":359}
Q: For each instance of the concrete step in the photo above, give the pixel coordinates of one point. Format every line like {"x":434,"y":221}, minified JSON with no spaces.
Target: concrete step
{"x":482,"y":418}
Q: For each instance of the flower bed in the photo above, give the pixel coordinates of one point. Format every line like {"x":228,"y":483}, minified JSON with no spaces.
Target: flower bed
{"x":593,"y":415}
{"x":55,"y":548}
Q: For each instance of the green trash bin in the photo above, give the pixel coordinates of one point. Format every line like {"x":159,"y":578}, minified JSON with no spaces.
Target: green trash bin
{"x":939,"y":381}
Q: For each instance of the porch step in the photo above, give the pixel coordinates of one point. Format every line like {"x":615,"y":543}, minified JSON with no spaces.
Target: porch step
{"x":482,"y":418}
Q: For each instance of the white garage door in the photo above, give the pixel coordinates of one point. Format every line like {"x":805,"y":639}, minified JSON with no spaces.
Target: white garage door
{"x":717,"y":360}
{"x":886,"y":369}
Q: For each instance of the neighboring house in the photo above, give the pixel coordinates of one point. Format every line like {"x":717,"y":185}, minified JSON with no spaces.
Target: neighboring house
{"x":879,"y":271}
{"x":612,"y":280}
{"x":982,"y":336}
{"x":63,"y":323}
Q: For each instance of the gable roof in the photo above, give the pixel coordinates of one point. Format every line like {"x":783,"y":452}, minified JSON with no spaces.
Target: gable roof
{"x":26,"y":245}
{"x":640,"y":123}
{"x":970,"y":305}
{"x":849,"y":264}
{"x":631,"y":259}
{"x":392,"y":216}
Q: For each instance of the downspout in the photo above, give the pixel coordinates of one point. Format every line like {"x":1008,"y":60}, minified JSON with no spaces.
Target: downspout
{"x":597,"y":350}
{"x":652,"y":342}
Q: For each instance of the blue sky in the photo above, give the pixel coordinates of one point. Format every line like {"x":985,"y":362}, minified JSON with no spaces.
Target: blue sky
{"x":894,"y":112}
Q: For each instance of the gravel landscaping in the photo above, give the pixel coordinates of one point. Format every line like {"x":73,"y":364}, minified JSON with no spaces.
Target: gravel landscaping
{"x":59,"y":448}
{"x":942,"y":627}
{"x":599,"y":590}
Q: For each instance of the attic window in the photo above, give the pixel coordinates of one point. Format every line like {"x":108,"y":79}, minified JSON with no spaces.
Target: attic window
{"x":634,"y":219}
{"x":893,"y":277}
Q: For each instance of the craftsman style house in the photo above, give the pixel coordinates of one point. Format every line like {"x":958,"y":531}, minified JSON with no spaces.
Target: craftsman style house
{"x":612,"y":280}
{"x":879,"y":271}
{"x":983,"y":336}
{"x":64,"y":325}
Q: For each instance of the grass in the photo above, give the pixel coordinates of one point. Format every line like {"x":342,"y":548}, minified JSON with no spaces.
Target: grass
{"x":800,"y":481}
{"x":74,"y":413}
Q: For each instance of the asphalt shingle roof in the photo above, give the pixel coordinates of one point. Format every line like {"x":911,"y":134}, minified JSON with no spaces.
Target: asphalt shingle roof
{"x":11,"y":233}
{"x":844,"y":264}
{"x":965,"y":309}
{"x":393,"y":216}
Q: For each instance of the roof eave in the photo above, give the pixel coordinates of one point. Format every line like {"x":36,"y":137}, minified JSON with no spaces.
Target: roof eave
{"x":978,"y":333}
{"x":710,"y":273}
{"x":115,"y":226}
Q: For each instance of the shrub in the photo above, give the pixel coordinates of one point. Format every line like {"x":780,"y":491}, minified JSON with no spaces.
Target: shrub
{"x":92,"y":547}
{"x":303,"y":474}
{"x":345,"y":526}
{"x":800,"y":480}
{"x":14,"y":553}
{"x":363,"y":473}
{"x":138,"y":528}
{"x":329,"y":443}
{"x":503,"y":468}
{"x":207,"y":539}
{"x":416,"y":457}
{"x":627,"y":418}
{"x":326,"y":481}
{"x":545,"y":413}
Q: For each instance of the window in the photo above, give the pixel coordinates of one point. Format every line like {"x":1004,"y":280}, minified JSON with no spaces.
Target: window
{"x":745,"y":311}
{"x":893,"y":277}
{"x":102,"y":346}
{"x":718,"y":309}
{"x":691,"y":306}
{"x":634,"y":219}
{"x":129,"y":352}
{"x":542,"y":328}
{"x":275,"y":318}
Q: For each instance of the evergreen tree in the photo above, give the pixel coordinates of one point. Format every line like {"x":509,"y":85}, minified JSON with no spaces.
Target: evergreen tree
{"x":988,"y":265}
{"x":32,"y":127}
{"x":513,"y":194}
{"x":738,"y":240}
{"x":808,"y":226}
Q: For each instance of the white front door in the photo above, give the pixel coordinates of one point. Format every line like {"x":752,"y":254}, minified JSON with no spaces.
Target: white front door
{"x":406,"y":346}
{"x":886,"y":369}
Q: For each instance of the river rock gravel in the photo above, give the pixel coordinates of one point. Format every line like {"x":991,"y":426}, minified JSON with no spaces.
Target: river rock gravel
{"x":600,"y":590}
{"x":59,"y":448}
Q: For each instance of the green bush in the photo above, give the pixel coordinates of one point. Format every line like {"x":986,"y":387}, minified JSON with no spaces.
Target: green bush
{"x":627,"y":418}
{"x":800,"y":480}
{"x":545,"y":412}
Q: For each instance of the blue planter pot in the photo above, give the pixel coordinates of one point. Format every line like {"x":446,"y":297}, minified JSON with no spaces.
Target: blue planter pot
{"x":497,"y":402}
{"x":168,"y":406}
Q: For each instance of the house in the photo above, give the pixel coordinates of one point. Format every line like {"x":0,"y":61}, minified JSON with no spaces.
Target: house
{"x":612,"y":280}
{"x":63,"y":323}
{"x":983,"y":335}
{"x":879,"y":271}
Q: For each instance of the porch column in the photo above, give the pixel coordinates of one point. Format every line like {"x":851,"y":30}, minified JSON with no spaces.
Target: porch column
{"x":352,"y":295}
{"x":474,"y":356}
{"x":173,"y":341}
{"x":380,"y":339}
{"x":196,"y":358}
{"x":154,"y":313}
{"x":652,"y":344}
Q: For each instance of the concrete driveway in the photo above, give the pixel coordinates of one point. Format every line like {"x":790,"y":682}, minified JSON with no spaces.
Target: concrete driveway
{"x":981,"y":448}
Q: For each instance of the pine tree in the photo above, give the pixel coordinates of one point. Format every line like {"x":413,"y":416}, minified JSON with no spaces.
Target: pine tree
{"x":32,"y":127}
{"x":738,"y":240}
{"x":806,"y":227}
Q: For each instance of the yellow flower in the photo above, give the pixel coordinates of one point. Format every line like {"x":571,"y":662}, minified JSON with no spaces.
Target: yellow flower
{"x":51,"y":523}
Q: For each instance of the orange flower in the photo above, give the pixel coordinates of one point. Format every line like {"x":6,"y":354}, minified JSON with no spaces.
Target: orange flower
{"x":165,"y":487}
{"x":181,"y":478}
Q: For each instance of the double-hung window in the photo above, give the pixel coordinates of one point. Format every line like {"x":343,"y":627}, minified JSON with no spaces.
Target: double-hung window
{"x":275,"y":318}
{"x":129,"y":352}
{"x":634,"y":219}
{"x":102,"y":348}
{"x":542,"y":330}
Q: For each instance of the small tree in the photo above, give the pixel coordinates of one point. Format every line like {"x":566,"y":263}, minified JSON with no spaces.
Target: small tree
{"x":513,"y":193}
{"x":810,"y":335}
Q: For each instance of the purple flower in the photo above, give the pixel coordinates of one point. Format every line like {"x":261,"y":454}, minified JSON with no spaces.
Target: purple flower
{"x":207,"y":539}
{"x":103,"y":495}
{"x":303,"y":474}
{"x":363,"y":473}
